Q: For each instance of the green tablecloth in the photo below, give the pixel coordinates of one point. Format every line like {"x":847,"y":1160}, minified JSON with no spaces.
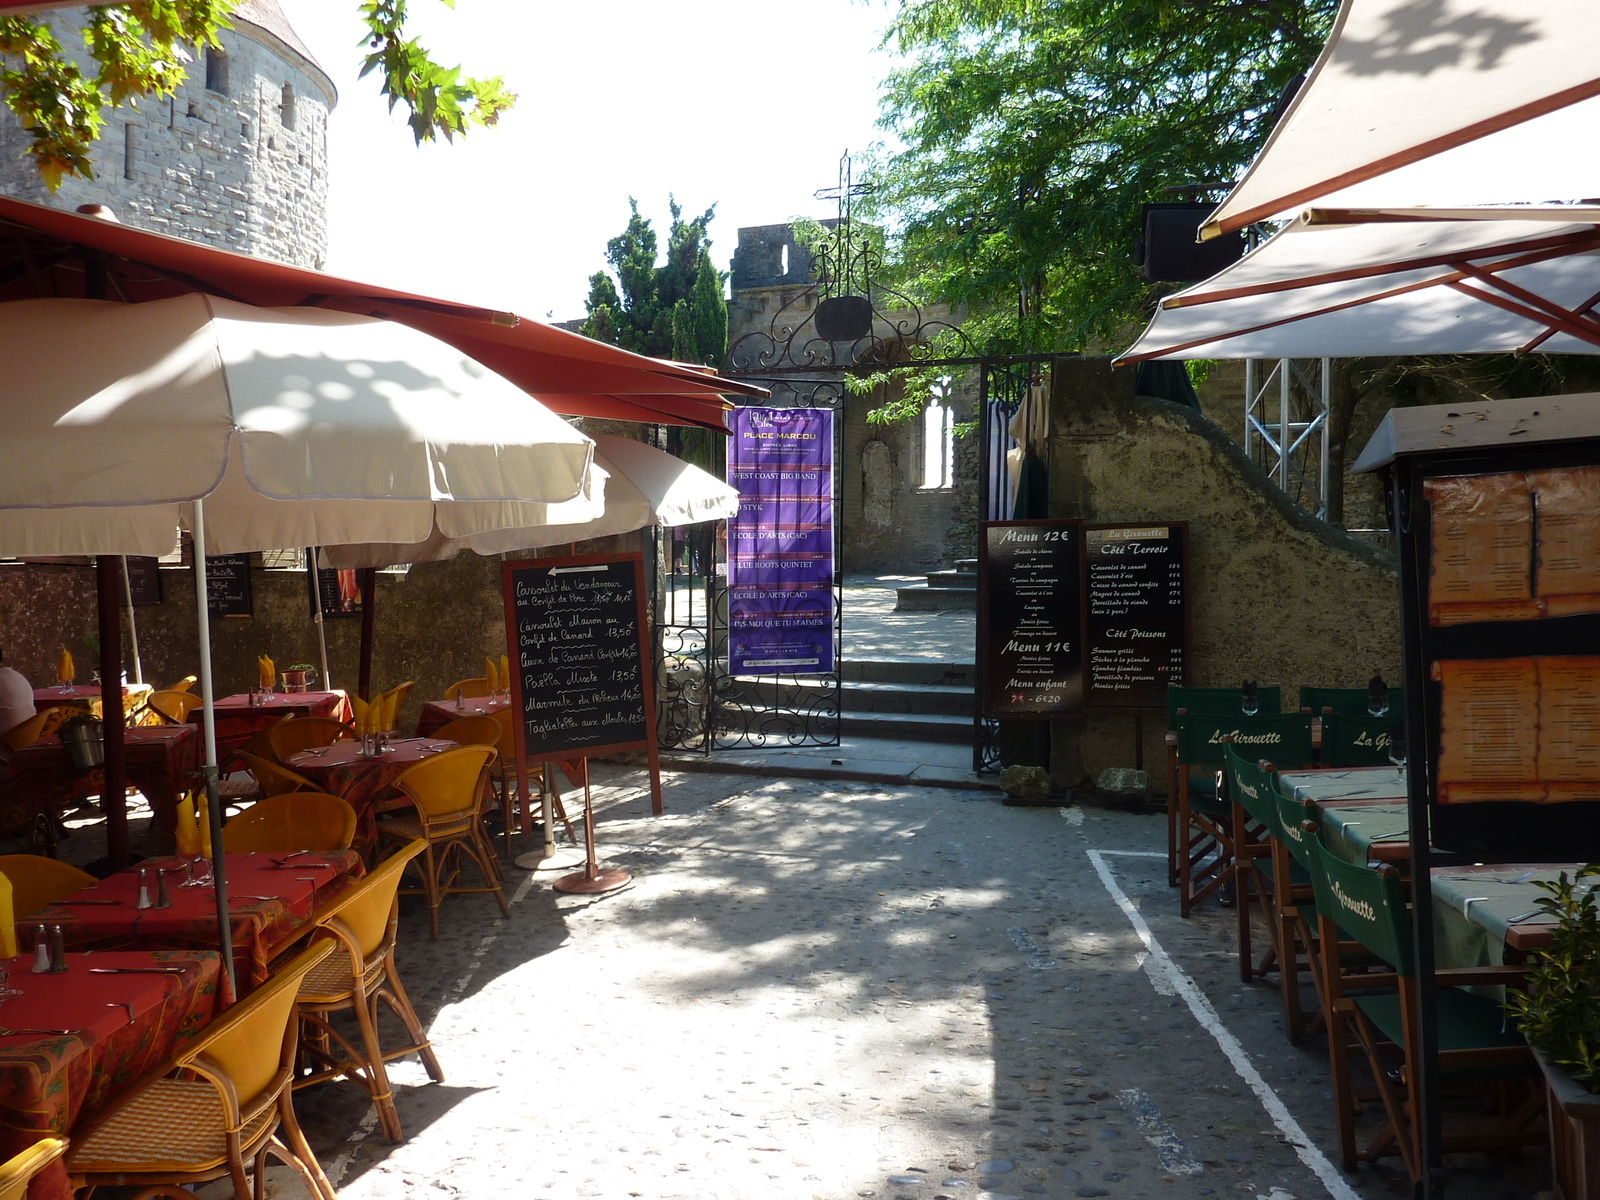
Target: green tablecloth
{"x":1347,"y":783}
{"x":1473,"y":909}
{"x":1349,"y":833}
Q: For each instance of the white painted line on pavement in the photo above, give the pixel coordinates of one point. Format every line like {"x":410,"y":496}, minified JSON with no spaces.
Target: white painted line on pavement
{"x":1174,"y":1157}
{"x":1200,"y":1006}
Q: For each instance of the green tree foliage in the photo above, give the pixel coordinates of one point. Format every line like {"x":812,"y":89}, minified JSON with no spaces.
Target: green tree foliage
{"x":671,"y":309}
{"x":141,"y":48}
{"x":1033,"y":130}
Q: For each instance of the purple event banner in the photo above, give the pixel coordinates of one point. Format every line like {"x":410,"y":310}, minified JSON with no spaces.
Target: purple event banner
{"x":780,"y":546}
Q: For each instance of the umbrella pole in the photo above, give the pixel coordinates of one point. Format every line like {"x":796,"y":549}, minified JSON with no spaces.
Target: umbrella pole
{"x":369,"y":599}
{"x":133,"y":626}
{"x":322,"y":633}
{"x":209,"y":725}
{"x":114,"y":792}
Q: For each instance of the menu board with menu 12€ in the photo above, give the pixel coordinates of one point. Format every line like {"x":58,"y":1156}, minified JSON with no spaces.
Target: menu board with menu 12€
{"x":1030,"y":618}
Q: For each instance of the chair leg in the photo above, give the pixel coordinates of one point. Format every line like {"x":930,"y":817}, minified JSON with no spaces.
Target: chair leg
{"x":430,"y":887}
{"x":475,"y":852}
{"x":382,"y":1096}
{"x":1172,"y":818}
{"x":394,"y":995}
{"x":299,"y":1150}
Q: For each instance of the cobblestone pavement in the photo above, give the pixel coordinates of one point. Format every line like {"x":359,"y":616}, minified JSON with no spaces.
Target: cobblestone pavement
{"x":832,"y":990}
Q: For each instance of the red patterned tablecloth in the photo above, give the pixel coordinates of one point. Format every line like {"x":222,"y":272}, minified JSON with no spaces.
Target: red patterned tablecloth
{"x":438,"y":713}
{"x":268,"y":907}
{"x":364,"y":782}
{"x":46,"y":1081}
{"x":40,"y":778}
{"x":238,"y":720}
{"x":88,"y":696}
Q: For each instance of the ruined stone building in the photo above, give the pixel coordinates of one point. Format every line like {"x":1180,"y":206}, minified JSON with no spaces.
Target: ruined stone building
{"x":237,"y":158}
{"x":907,"y":491}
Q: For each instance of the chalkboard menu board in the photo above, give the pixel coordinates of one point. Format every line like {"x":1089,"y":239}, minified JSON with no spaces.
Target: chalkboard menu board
{"x":1137,"y":613}
{"x":577,"y":633}
{"x":1030,"y":618}
{"x":228,"y":585}
{"x":144,"y":576}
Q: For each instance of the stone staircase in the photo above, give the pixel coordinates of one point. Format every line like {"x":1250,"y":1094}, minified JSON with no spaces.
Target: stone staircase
{"x":908,"y":700}
{"x":952,"y":590}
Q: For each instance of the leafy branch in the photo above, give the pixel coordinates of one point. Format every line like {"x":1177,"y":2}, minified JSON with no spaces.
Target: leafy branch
{"x":1560,"y":1011}
{"x":441,"y":99}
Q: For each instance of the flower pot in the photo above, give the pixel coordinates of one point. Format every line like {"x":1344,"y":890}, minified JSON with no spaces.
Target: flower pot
{"x":296,"y":681}
{"x":1574,"y":1115}
{"x":85,"y":744}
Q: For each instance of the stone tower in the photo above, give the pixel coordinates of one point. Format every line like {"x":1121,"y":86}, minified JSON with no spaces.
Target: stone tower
{"x":236,"y":158}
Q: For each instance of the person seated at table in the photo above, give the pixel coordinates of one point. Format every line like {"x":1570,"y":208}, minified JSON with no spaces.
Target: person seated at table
{"x":16,"y":697}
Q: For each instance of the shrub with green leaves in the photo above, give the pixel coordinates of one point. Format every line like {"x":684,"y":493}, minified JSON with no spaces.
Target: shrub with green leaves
{"x":1560,"y":1011}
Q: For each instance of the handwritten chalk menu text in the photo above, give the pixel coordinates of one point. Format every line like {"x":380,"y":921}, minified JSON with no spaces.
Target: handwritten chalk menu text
{"x":228,"y":585}
{"x":1031,"y":618}
{"x":575,"y":628}
{"x":1137,"y":616}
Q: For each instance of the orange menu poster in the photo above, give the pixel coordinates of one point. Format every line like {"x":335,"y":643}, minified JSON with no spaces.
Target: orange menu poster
{"x":1519,"y":729}
{"x":1482,"y":533}
{"x":1568,"y":570}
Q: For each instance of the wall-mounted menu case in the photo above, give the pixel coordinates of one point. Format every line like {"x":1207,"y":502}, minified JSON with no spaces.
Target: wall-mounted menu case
{"x":1136,"y":612}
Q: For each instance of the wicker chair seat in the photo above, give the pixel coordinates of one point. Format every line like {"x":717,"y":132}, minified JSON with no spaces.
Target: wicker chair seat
{"x":185,"y":1118}
{"x":409,"y":827}
{"x":329,"y":981}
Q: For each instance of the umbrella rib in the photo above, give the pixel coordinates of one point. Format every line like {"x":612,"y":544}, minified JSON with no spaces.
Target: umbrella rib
{"x":1533,"y":299}
{"x":191,"y":281}
{"x":1532,"y":314}
{"x":1582,"y":310}
{"x":1528,"y":252}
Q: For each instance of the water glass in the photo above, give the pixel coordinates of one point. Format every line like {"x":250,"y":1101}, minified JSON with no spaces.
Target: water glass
{"x":7,"y":992}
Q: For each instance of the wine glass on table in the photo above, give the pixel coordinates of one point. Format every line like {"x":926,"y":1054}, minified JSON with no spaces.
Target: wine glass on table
{"x":7,"y":992}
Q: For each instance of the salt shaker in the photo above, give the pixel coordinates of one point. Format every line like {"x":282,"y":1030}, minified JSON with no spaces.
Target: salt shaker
{"x":144,"y":890}
{"x":58,"y":952}
{"x":41,"y":951}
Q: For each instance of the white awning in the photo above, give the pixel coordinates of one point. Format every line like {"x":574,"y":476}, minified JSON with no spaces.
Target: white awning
{"x":1405,"y":285}
{"x":1418,"y":102}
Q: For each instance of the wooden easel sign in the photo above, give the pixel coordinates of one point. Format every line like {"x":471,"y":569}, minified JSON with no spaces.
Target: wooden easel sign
{"x":578,"y":635}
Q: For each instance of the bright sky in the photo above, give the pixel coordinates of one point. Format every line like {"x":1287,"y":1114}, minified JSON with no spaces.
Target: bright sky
{"x":745,"y":103}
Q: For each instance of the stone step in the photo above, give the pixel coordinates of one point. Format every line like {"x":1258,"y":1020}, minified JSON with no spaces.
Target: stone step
{"x":866,"y":696}
{"x":927,"y":727}
{"x":953,"y":579}
{"x":908,"y":670}
{"x":936,"y":599}
{"x":967,"y":566}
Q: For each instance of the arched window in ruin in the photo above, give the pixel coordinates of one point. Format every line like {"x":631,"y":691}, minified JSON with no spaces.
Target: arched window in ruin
{"x":216,"y":70}
{"x":939,"y":437}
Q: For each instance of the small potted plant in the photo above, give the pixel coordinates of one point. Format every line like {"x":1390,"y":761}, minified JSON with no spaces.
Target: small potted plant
{"x":1559,"y":1014}
{"x":84,"y":739}
{"x":299,"y":677}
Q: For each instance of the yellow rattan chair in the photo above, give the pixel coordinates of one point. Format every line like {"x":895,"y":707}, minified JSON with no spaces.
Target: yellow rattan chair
{"x":446,"y":790}
{"x":359,"y":973}
{"x":467,"y":689}
{"x":18,"y":1170}
{"x":274,"y":780}
{"x":479,"y":729}
{"x":29,"y":732}
{"x":305,"y":733}
{"x":291,"y":821}
{"x":183,"y":685}
{"x":214,"y":1109}
{"x":37,"y":881}
{"x":173,"y":707}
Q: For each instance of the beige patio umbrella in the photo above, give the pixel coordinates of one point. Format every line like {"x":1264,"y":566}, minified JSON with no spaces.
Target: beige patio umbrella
{"x":1436,"y":102}
{"x":642,"y":486}
{"x":291,"y":426}
{"x":1395,"y":282}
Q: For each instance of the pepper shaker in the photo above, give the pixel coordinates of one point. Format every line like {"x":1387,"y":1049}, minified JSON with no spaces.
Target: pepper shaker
{"x":58,"y":952}
{"x":41,"y":951}
{"x":144,"y":890}
{"x":162,"y":899}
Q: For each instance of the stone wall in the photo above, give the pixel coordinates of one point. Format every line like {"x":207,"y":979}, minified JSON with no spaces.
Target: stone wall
{"x":892,"y":524}
{"x":241,"y":164}
{"x":1276,"y":595}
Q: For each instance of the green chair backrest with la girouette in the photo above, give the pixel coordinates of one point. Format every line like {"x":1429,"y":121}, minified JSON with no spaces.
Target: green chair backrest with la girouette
{"x":1358,"y":741}
{"x":1200,"y":828}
